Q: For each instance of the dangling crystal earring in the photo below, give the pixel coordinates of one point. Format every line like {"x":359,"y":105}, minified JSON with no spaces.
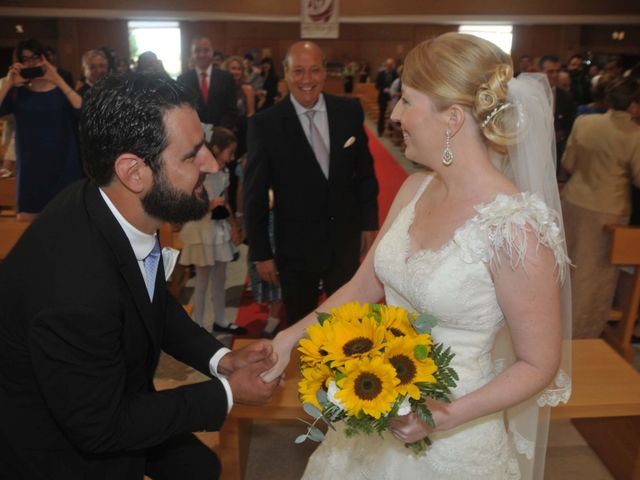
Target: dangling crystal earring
{"x":447,"y":154}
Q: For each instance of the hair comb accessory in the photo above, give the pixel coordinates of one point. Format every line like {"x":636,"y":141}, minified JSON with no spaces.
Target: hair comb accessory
{"x":494,"y":112}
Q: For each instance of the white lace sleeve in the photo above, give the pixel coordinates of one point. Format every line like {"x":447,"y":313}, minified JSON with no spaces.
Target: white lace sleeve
{"x":502,"y":228}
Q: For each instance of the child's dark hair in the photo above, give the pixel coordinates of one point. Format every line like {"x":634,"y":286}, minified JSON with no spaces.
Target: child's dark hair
{"x":221,"y":138}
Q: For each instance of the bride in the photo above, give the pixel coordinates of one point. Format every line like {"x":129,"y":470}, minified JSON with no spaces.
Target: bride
{"x":479,"y":245}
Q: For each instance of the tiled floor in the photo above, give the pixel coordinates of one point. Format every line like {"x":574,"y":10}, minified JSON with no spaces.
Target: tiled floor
{"x":568,"y":455}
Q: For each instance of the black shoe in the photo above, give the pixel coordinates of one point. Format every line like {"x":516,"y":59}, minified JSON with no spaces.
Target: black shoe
{"x":233,"y":329}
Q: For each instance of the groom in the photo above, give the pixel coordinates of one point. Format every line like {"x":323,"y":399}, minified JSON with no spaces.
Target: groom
{"x":85,"y":311}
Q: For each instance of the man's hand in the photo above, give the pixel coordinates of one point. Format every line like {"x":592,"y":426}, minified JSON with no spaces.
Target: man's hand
{"x":366,"y":240}
{"x":267,"y":271}
{"x":247,"y":385}
{"x":256,"y":352}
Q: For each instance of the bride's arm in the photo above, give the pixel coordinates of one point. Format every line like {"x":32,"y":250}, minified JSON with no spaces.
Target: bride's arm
{"x":364,"y":286}
{"x":529,"y":297}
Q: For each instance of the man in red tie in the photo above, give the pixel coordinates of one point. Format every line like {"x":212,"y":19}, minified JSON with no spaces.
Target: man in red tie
{"x":215,"y":88}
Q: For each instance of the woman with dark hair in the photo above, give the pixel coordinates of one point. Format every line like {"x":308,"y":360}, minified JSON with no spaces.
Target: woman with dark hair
{"x":45,"y":109}
{"x":270,"y":86}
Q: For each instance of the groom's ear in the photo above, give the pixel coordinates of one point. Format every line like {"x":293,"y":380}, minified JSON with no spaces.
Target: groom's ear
{"x":456,"y":117}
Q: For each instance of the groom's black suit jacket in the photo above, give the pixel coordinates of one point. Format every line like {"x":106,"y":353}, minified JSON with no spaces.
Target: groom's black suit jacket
{"x":79,"y":344}
{"x":318,"y":222}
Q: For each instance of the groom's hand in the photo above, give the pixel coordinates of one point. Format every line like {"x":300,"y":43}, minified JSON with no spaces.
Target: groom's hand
{"x":247,"y":385}
{"x":255,"y":352}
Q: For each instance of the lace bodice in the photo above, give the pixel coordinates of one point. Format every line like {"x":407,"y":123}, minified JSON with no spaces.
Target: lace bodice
{"x":454,"y":283}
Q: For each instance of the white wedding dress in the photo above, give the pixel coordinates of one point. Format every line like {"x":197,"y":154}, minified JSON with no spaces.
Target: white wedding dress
{"x":454,"y":284}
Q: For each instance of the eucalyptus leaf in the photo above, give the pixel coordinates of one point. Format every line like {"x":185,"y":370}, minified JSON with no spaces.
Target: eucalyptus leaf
{"x":322,"y":316}
{"x":424,"y":323}
{"x":321,"y":395}
{"x":312,"y":410}
{"x":315,"y":434}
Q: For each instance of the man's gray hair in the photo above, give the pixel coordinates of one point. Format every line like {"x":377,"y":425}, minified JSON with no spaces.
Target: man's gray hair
{"x":92,"y":53}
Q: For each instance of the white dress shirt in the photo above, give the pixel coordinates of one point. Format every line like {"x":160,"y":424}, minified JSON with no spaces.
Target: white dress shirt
{"x":142,"y":244}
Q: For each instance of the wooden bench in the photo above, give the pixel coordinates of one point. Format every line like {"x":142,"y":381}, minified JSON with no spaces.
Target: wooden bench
{"x":8,"y":193}
{"x":625,"y":250}
{"x":10,"y":231}
{"x":368,"y":95}
{"x":605,"y":401}
{"x":605,"y":406}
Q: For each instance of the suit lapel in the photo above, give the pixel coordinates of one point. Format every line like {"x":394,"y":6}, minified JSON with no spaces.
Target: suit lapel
{"x":119,"y":244}
{"x":336,"y":128}
{"x":301,"y":147}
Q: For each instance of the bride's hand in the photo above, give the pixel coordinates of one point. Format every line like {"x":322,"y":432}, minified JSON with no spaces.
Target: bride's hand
{"x":282,"y":346}
{"x":409,"y":428}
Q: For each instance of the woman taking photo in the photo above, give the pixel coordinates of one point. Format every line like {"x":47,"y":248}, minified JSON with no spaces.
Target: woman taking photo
{"x":45,"y":109}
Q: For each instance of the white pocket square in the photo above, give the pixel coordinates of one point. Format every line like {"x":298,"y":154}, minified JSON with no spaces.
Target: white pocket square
{"x":169,"y":259}
{"x":350,"y":141}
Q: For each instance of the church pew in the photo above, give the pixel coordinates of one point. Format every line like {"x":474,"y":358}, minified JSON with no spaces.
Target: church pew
{"x":625,"y":250}
{"x":8,"y":193}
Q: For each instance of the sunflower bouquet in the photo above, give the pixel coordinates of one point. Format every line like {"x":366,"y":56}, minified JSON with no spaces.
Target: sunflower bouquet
{"x":366,"y":364}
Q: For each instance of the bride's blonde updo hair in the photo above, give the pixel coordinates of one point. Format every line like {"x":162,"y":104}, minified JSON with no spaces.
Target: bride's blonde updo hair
{"x":461,"y":69}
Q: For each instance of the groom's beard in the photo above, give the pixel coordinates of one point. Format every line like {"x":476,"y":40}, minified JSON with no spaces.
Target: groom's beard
{"x":171,"y":205}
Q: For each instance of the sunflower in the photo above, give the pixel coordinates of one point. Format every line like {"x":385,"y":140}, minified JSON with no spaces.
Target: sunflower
{"x":313,"y":379}
{"x":396,"y":321}
{"x":312,"y":348}
{"x":368,"y":387}
{"x":401,"y":354}
{"x":351,"y":311}
{"x":354,"y":339}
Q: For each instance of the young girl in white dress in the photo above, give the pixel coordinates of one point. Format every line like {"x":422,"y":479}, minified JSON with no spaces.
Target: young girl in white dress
{"x":479,"y":245}
{"x":210,"y":243}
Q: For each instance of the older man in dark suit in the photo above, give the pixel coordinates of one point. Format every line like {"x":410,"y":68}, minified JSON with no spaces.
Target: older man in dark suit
{"x":85,"y":310}
{"x":312,"y":150}
{"x":215,"y":88}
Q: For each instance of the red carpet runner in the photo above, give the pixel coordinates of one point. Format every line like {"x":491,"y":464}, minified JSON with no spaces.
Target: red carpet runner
{"x":390,"y":177}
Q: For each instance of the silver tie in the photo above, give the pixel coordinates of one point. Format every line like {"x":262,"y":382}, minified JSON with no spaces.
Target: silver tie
{"x":317,"y":144}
